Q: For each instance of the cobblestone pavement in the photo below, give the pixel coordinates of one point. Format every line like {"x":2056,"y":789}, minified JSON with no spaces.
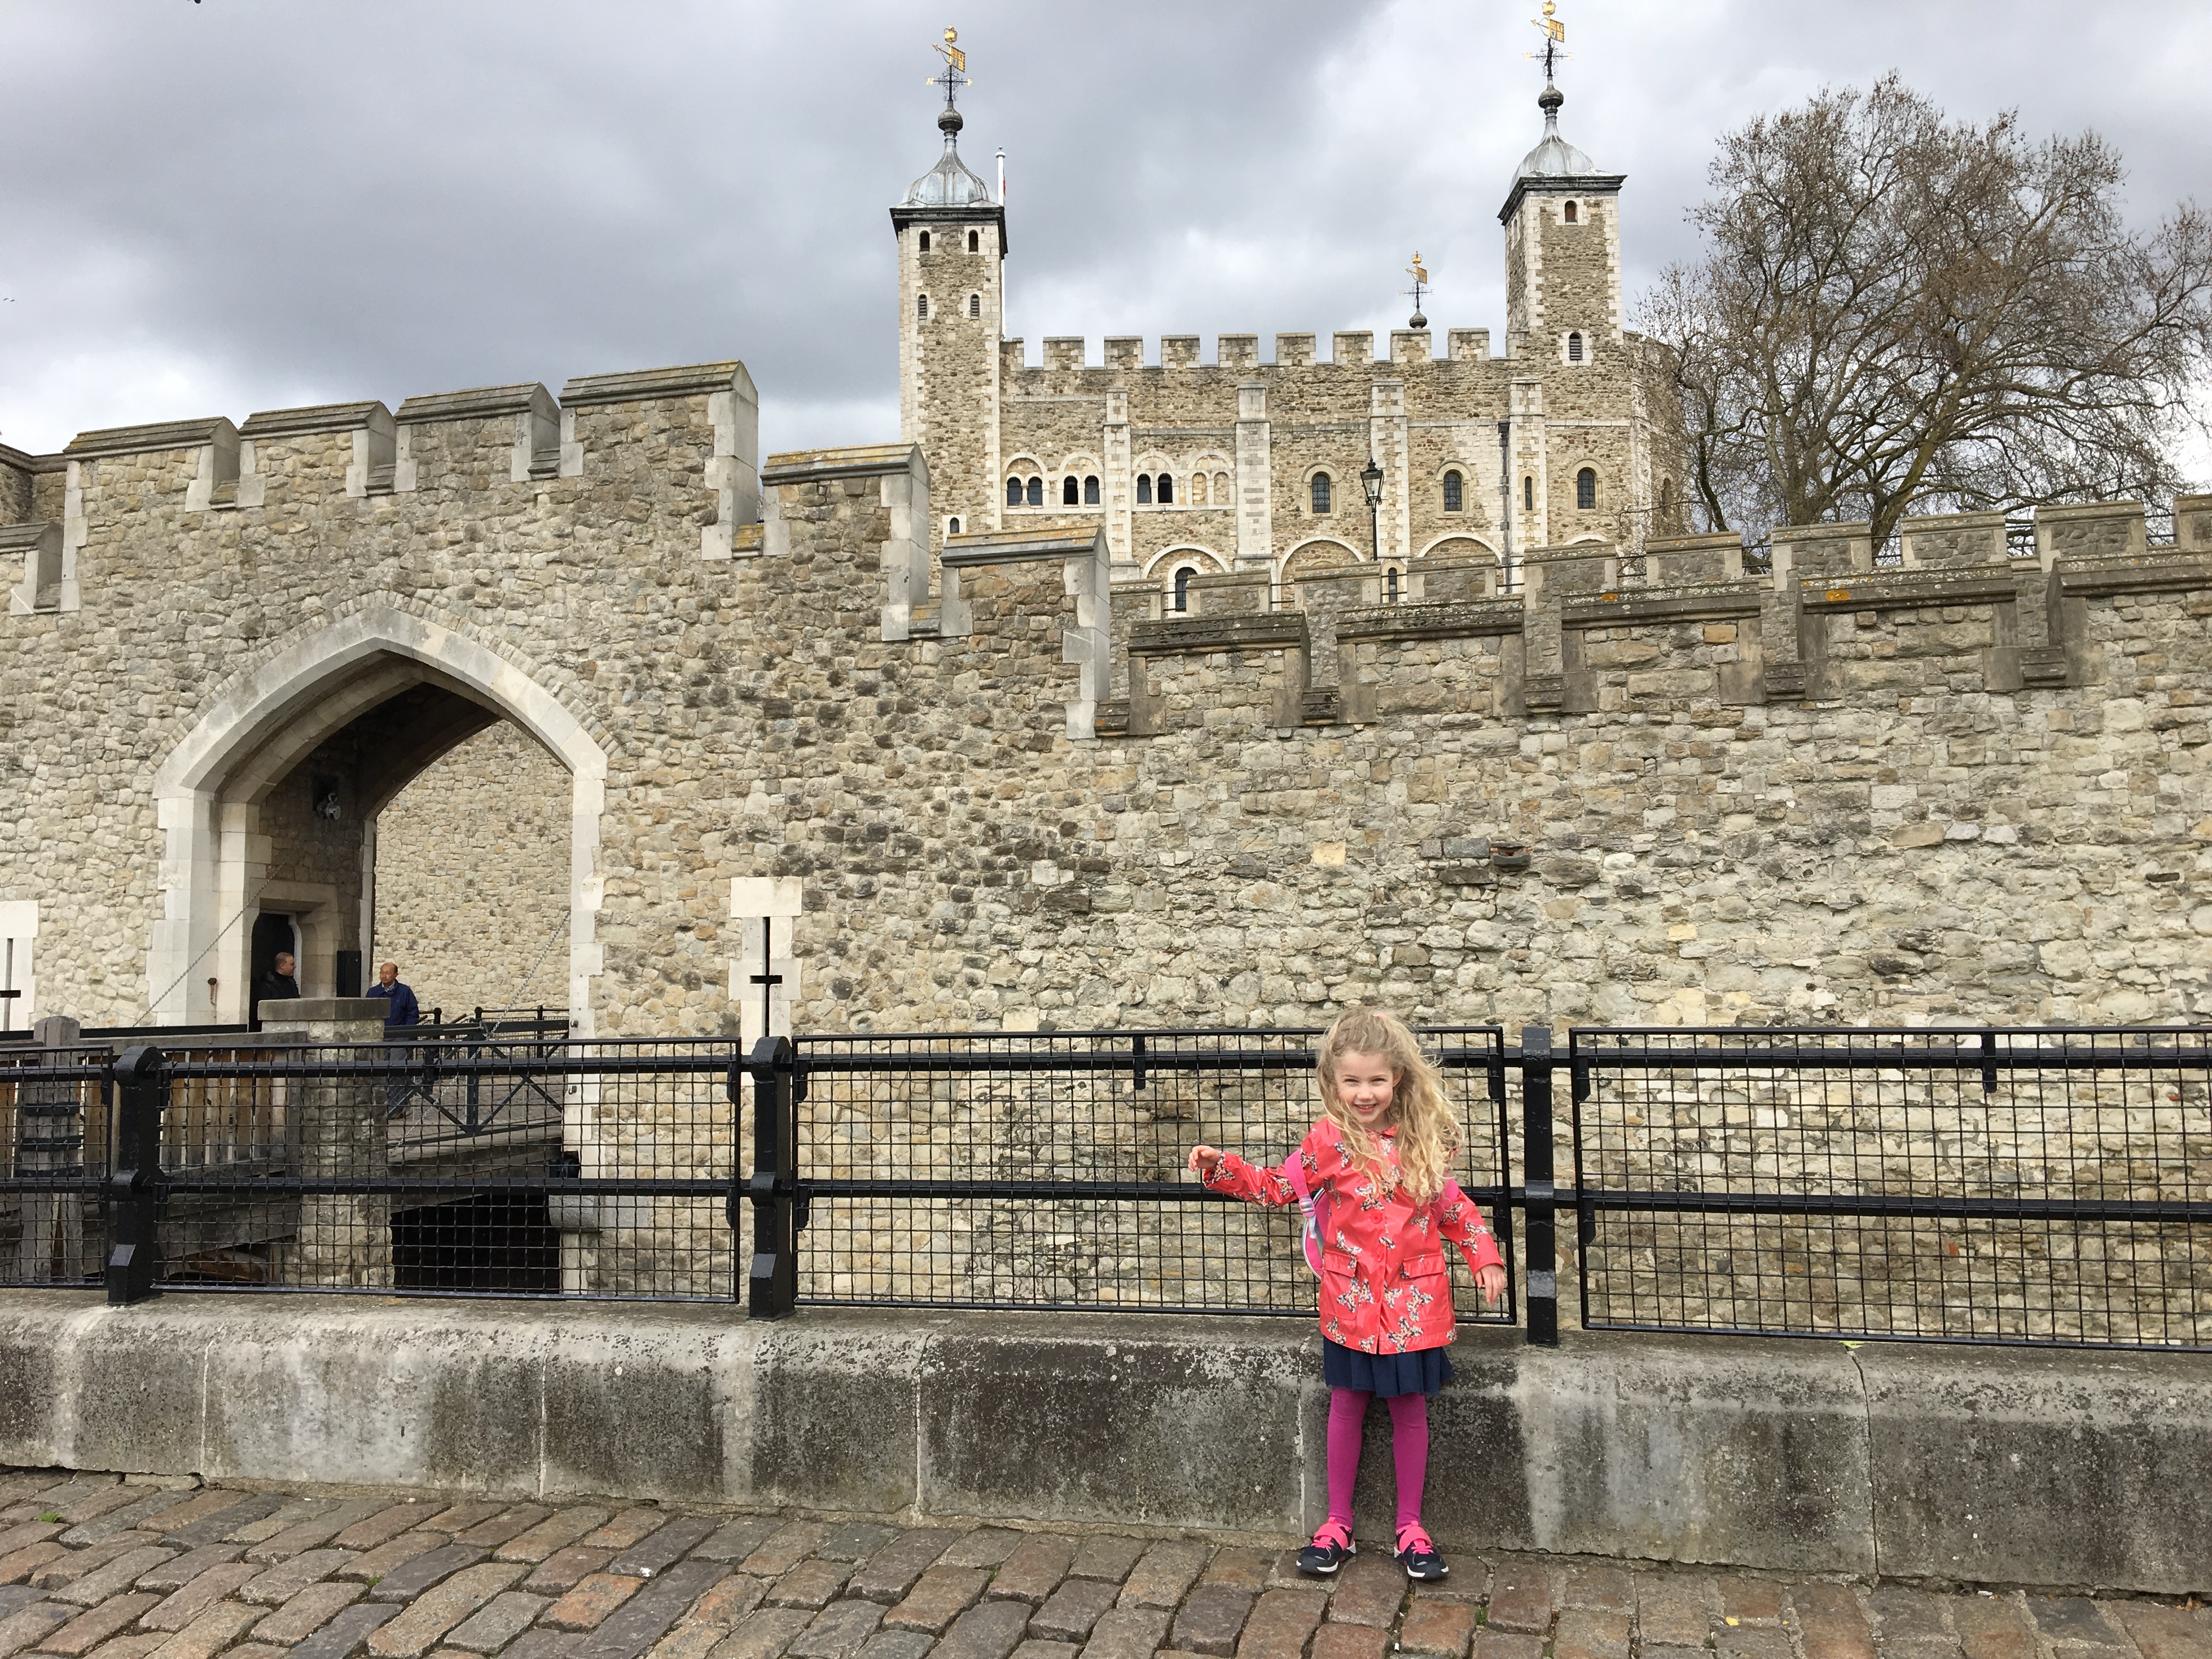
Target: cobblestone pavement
{"x":92,"y":1566}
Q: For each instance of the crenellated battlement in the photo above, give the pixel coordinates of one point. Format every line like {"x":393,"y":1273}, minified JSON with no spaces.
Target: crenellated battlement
{"x":1349,"y":349}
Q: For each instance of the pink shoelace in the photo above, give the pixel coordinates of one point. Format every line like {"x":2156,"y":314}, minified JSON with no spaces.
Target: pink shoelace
{"x":1415,"y":1537}
{"x":1334,"y":1531}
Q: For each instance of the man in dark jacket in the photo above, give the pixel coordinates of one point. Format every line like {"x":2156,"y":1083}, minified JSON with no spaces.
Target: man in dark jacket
{"x":401,"y":1007}
{"x":277,"y":985}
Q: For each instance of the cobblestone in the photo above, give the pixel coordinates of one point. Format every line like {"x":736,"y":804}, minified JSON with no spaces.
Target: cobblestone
{"x":480,"y":1580}
{"x":556,"y":1532}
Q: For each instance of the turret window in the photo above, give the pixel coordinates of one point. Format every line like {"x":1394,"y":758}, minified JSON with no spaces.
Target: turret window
{"x":1586,"y":489}
{"x":1574,"y":348}
{"x":976,"y":239}
{"x":921,"y":307}
{"x":1571,"y":213}
{"x":1014,"y":492}
{"x":1167,"y":490}
{"x":1390,"y":587}
{"x":952,"y":526}
{"x":1090,"y":490}
{"x":1454,"y":492}
{"x":1182,"y":587}
{"x":1067,"y":488}
{"x":1320,"y":493}
{"x":1528,"y":495}
{"x":1144,"y":490}
{"x":975,"y":304}
{"x":1036,"y":492}
{"x":925,"y":241}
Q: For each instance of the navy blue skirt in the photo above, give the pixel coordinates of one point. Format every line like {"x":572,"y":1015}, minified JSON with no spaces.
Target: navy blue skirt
{"x":1426,"y":1370}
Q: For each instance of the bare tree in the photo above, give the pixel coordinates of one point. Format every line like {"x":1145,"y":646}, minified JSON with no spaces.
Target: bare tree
{"x":1896,"y":312}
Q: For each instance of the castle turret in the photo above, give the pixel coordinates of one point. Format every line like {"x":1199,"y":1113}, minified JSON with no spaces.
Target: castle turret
{"x":952,"y":242}
{"x":1562,"y":248}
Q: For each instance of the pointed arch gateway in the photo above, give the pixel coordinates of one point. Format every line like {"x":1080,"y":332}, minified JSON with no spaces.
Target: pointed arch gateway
{"x":209,"y":792}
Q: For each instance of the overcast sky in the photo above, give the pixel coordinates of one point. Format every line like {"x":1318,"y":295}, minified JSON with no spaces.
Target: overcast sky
{"x":246,"y":205}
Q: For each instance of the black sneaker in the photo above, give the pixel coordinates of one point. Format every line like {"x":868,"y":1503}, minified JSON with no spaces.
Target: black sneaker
{"x":1417,"y":1556}
{"x":1331,"y":1547}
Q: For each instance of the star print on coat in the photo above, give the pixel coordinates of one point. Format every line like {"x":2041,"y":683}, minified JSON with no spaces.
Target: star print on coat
{"x":1385,"y":1284}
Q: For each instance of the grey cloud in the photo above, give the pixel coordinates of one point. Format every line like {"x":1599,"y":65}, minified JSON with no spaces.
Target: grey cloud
{"x":244,"y":203}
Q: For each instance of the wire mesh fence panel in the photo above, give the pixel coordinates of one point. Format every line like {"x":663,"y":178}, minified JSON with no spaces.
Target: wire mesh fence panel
{"x":537,"y":1167}
{"x":1051,"y":1170}
{"x":2020,"y":1186}
{"x":53,"y":1157}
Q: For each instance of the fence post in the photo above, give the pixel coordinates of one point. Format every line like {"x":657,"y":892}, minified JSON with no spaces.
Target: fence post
{"x":134,"y":1173}
{"x":1539,"y":1241}
{"x":773,"y":1281}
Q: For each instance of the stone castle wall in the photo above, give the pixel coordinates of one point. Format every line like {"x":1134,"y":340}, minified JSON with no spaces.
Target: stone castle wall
{"x":1970,"y":787}
{"x":472,"y":878}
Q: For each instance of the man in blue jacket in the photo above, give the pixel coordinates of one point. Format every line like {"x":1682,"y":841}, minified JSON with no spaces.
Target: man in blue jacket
{"x":404,"y":1009}
{"x":400,"y":1009}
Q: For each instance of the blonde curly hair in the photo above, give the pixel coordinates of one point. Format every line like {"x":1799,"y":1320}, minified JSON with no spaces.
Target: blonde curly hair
{"x":1428,"y":1134}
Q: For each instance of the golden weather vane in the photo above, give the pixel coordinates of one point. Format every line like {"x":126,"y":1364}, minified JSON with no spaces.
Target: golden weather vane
{"x":1555,"y":36}
{"x":1419,"y":273}
{"x":956,"y":68}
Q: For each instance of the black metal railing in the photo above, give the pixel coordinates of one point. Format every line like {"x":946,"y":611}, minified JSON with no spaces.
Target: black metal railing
{"x":2035,"y":1186}
{"x":1986,"y":1186}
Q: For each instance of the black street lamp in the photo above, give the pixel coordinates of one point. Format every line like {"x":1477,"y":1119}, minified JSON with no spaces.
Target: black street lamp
{"x":1371,"y":478}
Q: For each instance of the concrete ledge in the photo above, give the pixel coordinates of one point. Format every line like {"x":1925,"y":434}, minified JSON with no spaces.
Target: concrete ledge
{"x":1979,"y":1466}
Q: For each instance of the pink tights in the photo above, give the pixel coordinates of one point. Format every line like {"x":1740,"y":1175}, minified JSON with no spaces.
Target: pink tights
{"x":1409,"y":1446}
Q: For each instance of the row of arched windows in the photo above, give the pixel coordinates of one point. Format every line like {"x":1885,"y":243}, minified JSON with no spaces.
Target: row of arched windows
{"x":1585,"y":491}
{"x":975,"y":241}
{"x":1160,"y":490}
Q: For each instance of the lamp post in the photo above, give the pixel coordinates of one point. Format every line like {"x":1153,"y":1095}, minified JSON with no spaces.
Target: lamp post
{"x":1371,"y":479}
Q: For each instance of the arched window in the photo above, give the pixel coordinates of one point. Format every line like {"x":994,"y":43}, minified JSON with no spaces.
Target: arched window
{"x":1570,"y":215}
{"x":1586,"y":489}
{"x":1167,"y":490}
{"x":1321,"y":492}
{"x":1090,"y":490}
{"x":1528,"y":495}
{"x":952,"y":526}
{"x":975,"y":304}
{"x":925,"y":241}
{"x":1452,"y":492}
{"x":1068,"y":487}
{"x":1221,"y":489}
{"x":1036,"y":492}
{"x":1574,"y":348}
{"x":1390,"y":587}
{"x":1144,"y":490}
{"x":1014,"y":492}
{"x":921,"y":307}
{"x":1182,"y":587}
{"x":976,"y":240}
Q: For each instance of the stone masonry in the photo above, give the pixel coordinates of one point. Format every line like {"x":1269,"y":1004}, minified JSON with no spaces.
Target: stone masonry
{"x":347,"y":665}
{"x":92,"y":1566}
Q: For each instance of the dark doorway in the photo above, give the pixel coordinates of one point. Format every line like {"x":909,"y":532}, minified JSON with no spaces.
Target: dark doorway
{"x":272,"y":932}
{"x":484,"y":1242}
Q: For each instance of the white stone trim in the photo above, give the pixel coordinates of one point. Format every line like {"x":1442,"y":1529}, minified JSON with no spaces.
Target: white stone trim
{"x":1481,"y":541}
{"x":207,"y":793}
{"x":778,"y":901}
{"x":19,"y":922}
{"x":1182,"y":551}
{"x":733,"y":471}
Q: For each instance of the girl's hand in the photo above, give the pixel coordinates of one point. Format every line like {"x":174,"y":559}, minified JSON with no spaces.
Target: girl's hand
{"x":1203,"y":1159}
{"x":1491,"y":1281}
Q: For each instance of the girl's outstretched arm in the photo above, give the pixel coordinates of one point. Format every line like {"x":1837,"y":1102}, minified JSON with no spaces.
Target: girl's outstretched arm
{"x":1225,"y":1172}
{"x":1460,"y":1221}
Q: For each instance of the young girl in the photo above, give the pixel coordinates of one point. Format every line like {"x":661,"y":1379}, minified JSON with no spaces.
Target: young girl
{"x":1378,"y":1160}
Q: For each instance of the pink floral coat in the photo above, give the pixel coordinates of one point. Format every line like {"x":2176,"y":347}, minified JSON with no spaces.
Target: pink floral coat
{"x":1385,"y":1283}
